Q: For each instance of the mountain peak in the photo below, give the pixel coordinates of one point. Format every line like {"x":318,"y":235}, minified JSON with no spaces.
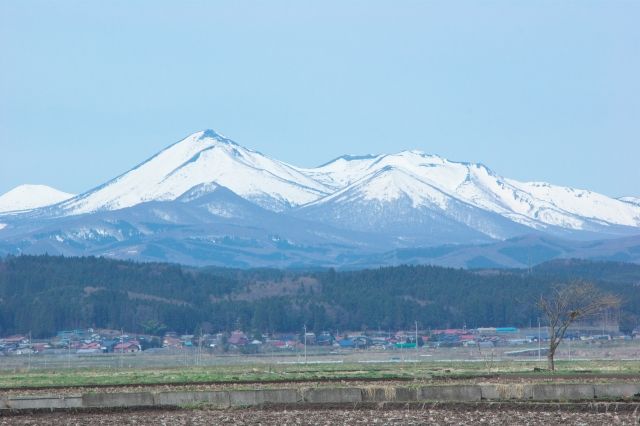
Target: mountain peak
{"x":212,"y":134}
{"x":204,"y":157}
{"x":387,"y":184}
{"x":349,"y":157}
{"x":27,"y":197}
{"x":417,"y":152}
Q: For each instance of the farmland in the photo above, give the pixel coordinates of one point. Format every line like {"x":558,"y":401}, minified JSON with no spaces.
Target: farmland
{"x":142,"y":373}
{"x":143,"y":369}
{"x":434,"y":415}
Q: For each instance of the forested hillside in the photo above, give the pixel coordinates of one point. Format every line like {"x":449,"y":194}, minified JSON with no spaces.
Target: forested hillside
{"x":44,"y":294}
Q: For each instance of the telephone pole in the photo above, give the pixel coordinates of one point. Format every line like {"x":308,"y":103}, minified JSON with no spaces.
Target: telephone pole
{"x":121,"y":346}
{"x":305,"y":343}
{"x":30,"y":349}
{"x":539,"y":339}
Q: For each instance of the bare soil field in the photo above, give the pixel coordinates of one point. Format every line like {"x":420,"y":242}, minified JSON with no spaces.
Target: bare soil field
{"x":431,"y":416}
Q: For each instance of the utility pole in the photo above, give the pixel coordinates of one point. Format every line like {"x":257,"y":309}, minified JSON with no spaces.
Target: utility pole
{"x":200,"y":347}
{"x":30,"y":349}
{"x":121,"y":346}
{"x":305,"y":343}
{"x":539,"y":340}
{"x":416,"y":338}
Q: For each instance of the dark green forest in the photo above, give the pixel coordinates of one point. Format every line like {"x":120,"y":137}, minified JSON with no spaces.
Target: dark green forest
{"x":45,"y":294}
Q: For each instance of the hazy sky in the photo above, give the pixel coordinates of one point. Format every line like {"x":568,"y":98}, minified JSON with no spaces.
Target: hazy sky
{"x":535,"y":90}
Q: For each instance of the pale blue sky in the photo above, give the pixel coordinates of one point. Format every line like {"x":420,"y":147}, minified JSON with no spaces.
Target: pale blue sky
{"x":536,"y":90}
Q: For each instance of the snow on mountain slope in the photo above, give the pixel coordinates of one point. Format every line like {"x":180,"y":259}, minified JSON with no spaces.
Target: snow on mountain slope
{"x":393,"y":200}
{"x":346,"y":170}
{"x":537,"y":205}
{"x":580,"y":203}
{"x":27,"y":197}
{"x":631,"y":200}
{"x":203,"y":157}
{"x":389,"y":184}
{"x":342,"y":171}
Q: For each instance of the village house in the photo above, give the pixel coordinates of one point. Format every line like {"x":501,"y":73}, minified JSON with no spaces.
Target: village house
{"x":127,"y":347}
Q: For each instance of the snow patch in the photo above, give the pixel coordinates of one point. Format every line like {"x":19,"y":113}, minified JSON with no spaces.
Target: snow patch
{"x":167,"y":217}
{"x":221,"y":211}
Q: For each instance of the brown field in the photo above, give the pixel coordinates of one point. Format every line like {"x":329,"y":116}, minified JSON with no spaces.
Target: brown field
{"x":431,"y":416}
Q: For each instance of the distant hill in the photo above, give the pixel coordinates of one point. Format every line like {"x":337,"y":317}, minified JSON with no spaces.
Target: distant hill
{"x":519,"y":252}
{"x":44,"y":294}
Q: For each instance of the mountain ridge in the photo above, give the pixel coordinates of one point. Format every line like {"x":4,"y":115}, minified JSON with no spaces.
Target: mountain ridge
{"x":369,"y":205}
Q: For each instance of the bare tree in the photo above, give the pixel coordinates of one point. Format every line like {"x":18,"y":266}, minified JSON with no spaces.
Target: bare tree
{"x":568,"y":303}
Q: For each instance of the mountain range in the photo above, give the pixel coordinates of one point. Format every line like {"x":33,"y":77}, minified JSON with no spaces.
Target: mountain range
{"x":207,"y":200}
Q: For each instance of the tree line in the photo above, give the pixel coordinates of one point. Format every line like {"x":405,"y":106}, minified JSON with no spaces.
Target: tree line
{"x":45,"y":294}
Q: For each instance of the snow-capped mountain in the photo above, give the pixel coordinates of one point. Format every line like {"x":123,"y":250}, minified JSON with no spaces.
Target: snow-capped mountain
{"x":427,"y":181}
{"x":394,"y":201}
{"x":536,"y":205}
{"x":209,"y":224}
{"x":27,"y":197}
{"x":208,"y":198}
{"x":203,"y":157}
